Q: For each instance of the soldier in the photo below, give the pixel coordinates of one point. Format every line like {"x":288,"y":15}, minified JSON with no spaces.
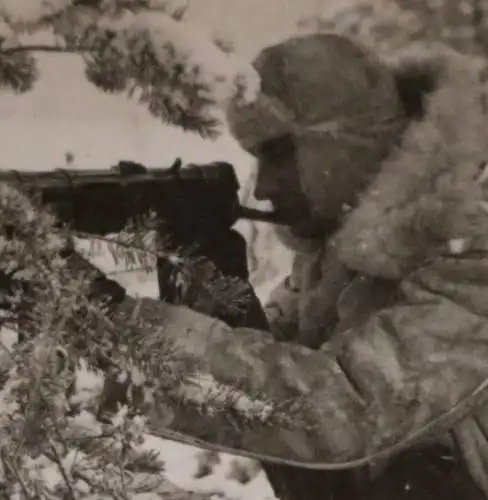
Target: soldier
{"x":380,"y":333}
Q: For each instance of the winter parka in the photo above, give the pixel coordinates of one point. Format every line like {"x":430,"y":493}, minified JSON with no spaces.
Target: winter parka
{"x":380,"y":335}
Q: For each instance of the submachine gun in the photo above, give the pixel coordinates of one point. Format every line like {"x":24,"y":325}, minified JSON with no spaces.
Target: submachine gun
{"x":197,"y":203}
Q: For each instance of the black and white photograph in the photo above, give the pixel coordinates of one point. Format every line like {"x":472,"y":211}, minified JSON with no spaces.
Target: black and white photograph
{"x":243,"y":249}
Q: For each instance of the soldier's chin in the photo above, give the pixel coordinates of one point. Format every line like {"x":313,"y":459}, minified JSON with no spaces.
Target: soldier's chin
{"x":298,"y":240}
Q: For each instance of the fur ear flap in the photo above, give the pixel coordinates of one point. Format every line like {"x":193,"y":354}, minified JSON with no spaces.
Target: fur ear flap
{"x":427,"y":196}
{"x":415,"y":82}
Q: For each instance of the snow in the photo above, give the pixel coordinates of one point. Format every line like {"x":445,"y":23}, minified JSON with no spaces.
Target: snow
{"x":171,"y":40}
{"x":88,"y":384}
{"x":181,"y":464}
{"x":194,"y":47}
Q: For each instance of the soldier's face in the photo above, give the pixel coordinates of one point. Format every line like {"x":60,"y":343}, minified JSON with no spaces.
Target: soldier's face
{"x":278,"y":182}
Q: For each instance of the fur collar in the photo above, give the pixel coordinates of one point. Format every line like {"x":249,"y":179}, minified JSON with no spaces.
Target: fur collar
{"x":426,"y":196}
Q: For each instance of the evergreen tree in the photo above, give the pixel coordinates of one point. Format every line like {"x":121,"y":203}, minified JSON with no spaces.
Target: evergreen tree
{"x":143,"y":48}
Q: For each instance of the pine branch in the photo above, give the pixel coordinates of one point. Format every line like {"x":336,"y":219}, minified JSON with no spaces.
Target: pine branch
{"x":43,"y":48}
{"x":133,"y":47}
{"x":189,"y":279}
{"x":144,"y":371}
{"x":132,"y":248}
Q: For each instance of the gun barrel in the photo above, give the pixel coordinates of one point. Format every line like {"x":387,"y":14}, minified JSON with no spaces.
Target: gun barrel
{"x":124,"y":173}
{"x":196,"y":199}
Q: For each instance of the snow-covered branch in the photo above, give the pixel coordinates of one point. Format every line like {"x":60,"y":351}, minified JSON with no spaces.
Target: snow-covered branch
{"x":142,"y":48}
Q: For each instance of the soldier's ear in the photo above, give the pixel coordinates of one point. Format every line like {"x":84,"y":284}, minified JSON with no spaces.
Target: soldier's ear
{"x":414,"y":84}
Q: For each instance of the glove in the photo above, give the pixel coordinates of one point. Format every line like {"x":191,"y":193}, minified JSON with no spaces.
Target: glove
{"x":214,"y":280}
{"x":102,"y":288}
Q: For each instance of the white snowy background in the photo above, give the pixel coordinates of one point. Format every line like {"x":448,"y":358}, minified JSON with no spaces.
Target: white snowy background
{"x":66,"y":115}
